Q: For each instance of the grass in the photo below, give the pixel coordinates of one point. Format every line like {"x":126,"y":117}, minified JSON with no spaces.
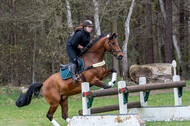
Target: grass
{"x":35,"y":113}
{"x":187,"y":83}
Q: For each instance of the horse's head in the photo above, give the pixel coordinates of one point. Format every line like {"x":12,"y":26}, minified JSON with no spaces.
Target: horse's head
{"x":111,"y":45}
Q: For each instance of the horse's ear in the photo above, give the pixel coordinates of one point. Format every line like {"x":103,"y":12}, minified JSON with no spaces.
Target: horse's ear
{"x":114,"y":35}
{"x":110,"y":36}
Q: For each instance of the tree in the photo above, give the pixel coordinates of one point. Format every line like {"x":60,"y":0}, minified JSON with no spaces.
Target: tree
{"x":168,"y":44}
{"x":174,"y":37}
{"x":149,"y":33}
{"x":125,"y":43}
{"x":115,"y":60}
{"x":33,"y":34}
{"x":96,"y":18}
{"x":69,"y":19}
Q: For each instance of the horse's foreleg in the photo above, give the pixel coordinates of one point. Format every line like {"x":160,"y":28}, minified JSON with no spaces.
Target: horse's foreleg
{"x":114,"y":76}
{"x":64,"y":108}
{"x":108,"y":72}
{"x":99,"y":83}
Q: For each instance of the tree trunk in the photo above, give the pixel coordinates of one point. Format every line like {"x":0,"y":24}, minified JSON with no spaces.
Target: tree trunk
{"x":168,"y":45}
{"x":34,"y":58}
{"x":182,"y":24}
{"x":175,"y":39}
{"x":183,"y":34}
{"x":149,"y":34}
{"x":187,"y":26}
{"x":14,"y":42}
{"x":163,"y":10}
{"x":14,"y":24}
{"x":140,"y":38}
{"x":69,"y":18}
{"x":115,"y":60}
{"x":96,"y":18}
{"x":127,"y":31}
{"x":156,"y":38}
{"x":162,"y":33}
{"x":53,"y":63}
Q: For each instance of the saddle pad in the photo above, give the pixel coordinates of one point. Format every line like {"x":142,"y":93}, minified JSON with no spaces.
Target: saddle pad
{"x":66,"y":74}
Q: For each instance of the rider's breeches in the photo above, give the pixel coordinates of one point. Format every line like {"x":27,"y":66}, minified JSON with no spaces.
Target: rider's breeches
{"x":72,"y":53}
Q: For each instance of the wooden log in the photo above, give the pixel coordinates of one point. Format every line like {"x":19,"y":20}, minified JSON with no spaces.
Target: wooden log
{"x":111,"y":108}
{"x":105,"y":92}
{"x":148,"y":87}
{"x":137,"y":88}
{"x":155,"y":73}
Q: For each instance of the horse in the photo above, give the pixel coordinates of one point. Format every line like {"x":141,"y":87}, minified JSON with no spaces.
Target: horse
{"x":56,"y":90}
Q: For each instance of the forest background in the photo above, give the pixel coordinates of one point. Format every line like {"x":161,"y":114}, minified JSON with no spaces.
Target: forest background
{"x":33,"y":34}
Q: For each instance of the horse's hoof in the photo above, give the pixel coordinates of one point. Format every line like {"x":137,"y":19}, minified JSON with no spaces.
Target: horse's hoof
{"x":113,"y":70}
{"x":106,"y":87}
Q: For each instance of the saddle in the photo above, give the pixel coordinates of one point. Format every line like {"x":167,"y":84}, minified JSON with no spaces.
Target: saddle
{"x":65,"y":69}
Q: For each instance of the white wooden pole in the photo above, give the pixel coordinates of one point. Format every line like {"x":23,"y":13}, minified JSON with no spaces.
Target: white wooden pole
{"x":85,"y":88}
{"x":178,"y":101}
{"x":142,"y":80}
{"x":122,"y":106}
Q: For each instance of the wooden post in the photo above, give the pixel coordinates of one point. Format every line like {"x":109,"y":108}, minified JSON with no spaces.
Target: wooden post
{"x":142,"y":81}
{"x":122,"y":106}
{"x":178,"y":100}
{"x":85,"y":88}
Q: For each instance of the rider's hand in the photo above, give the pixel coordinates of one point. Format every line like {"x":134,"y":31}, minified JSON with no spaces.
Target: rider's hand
{"x":80,"y":47}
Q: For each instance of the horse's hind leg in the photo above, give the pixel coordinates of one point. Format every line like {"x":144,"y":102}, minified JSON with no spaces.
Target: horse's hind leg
{"x":50,"y":113}
{"x":53,"y":99}
{"x":64,"y":107}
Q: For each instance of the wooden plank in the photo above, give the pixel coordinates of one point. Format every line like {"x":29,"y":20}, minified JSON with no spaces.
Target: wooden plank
{"x":137,"y":88}
{"x":111,"y":108}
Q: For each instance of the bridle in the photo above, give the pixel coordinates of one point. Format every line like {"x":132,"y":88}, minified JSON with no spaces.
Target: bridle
{"x":111,"y":49}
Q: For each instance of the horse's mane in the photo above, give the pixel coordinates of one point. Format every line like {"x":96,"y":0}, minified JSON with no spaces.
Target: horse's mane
{"x":99,"y":37}
{"x":92,"y":43}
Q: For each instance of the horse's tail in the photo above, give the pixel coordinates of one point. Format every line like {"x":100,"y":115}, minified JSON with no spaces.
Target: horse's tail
{"x":25,"y":99}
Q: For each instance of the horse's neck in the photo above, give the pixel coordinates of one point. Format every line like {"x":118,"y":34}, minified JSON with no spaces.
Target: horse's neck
{"x":96,"y":52}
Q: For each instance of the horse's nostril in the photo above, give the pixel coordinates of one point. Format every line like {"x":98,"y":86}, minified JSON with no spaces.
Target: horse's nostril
{"x":120,"y":57}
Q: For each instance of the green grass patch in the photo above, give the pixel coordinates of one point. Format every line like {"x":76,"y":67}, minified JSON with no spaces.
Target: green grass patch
{"x":188,"y":83}
{"x":35,"y":113}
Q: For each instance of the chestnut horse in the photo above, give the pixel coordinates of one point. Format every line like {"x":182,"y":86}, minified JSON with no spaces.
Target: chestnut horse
{"x":56,"y":90}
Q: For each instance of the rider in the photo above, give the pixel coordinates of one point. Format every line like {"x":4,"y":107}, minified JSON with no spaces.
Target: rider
{"x":75,"y":44}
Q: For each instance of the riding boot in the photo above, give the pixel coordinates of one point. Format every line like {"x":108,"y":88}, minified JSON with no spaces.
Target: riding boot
{"x":73,"y":71}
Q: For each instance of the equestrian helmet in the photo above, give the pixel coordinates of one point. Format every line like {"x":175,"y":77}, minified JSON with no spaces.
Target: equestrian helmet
{"x":87,"y":23}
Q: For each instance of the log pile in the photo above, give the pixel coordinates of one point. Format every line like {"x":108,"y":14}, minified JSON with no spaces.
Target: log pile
{"x":155,"y":73}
